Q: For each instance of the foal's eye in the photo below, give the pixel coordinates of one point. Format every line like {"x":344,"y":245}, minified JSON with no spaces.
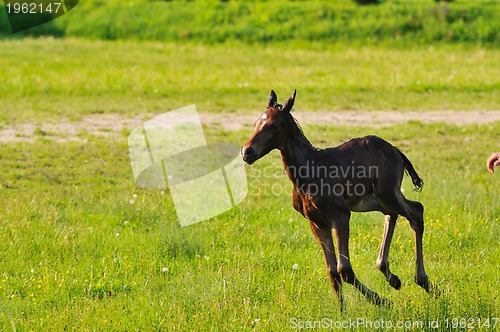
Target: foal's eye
{"x":274,"y":126}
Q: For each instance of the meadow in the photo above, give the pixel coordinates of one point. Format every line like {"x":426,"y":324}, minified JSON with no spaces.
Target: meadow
{"x":77,"y":255}
{"x":49,"y":79}
{"x":83,"y":248}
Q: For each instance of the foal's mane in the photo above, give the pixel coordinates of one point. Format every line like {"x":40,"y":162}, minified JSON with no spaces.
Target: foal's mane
{"x":298,"y":132}
{"x":297,"y":129}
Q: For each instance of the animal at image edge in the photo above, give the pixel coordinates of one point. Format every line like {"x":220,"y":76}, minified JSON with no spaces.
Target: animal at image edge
{"x":327,"y":199}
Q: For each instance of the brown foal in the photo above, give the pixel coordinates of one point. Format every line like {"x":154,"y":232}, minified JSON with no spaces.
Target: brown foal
{"x":363,"y":174}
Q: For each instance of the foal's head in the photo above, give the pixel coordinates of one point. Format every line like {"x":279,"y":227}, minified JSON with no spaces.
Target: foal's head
{"x":271,"y":129}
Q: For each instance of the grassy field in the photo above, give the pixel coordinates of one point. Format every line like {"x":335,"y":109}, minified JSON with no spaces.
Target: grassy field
{"x":49,"y":78}
{"x":75,"y":254}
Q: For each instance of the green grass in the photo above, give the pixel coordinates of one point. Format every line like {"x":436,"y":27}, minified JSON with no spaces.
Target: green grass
{"x":46,"y":79}
{"x":393,"y":22}
{"x":76,"y":255}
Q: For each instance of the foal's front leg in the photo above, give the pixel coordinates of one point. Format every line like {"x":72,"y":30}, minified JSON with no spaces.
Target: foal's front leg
{"x":344,"y":268}
{"x":324,"y":236}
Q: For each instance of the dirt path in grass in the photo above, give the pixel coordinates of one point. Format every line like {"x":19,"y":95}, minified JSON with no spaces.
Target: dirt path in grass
{"x":366,"y":118}
{"x":113,"y":125}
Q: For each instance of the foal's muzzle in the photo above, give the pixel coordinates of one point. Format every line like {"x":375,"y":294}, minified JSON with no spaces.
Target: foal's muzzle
{"x":248,"y":155}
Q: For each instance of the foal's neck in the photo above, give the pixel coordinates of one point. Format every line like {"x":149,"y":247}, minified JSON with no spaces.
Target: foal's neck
{"x":297,"y":152}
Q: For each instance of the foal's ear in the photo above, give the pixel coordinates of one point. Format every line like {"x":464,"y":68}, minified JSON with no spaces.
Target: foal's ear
{"x":272,"y":100}
{"x":287,"y":106}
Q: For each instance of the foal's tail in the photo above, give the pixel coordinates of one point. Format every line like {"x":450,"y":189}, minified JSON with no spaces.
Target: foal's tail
{"x":415,"y":179}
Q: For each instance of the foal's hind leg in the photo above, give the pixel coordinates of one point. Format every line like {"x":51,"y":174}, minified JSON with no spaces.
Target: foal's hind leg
{"x":414,"y":212}
{"x":415,"y":215}
{"x":373,"y":204}
{"x":383,"y":256}
{"x":324,"y":237}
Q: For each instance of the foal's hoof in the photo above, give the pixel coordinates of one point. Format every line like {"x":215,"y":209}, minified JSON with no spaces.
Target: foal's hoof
{"x":382,"y":302}
{"x":376,"y":299}
{"x":423,"y":282}
{"x":394,"y":282}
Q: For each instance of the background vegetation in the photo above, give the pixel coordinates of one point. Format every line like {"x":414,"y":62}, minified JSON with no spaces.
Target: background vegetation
{"x":49,"y":79}
{"x":77,"y":254}
{"x":392,"y":22}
